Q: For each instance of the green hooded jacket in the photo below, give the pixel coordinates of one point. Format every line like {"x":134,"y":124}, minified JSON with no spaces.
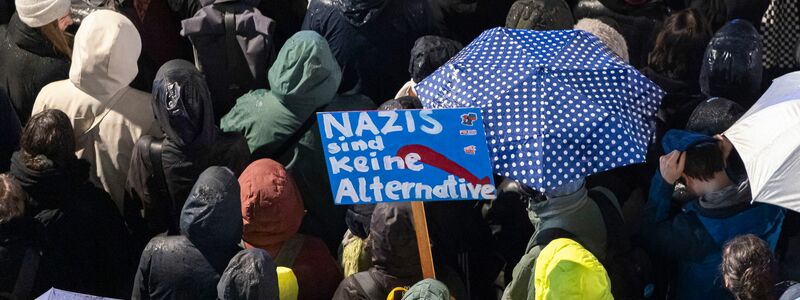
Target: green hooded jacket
{"x":304,"y":78}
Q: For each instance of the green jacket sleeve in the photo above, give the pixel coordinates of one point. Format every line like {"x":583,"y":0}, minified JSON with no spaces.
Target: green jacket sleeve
{"x":521,"y":286}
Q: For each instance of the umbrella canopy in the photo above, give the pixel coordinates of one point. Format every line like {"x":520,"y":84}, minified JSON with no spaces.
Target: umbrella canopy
{"x":767,"y":138}
{"x":557,"y":105}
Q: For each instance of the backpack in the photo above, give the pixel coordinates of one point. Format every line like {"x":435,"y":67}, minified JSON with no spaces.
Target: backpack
{"x":629,"y":267}
{"x":220,"y":32}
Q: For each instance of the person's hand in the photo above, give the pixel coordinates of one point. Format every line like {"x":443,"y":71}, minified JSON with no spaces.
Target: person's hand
{"x":671,"y":166}
{"x":725,"y":145}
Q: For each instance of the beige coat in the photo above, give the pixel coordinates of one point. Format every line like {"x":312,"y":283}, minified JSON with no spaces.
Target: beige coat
{"x":107,"y":115}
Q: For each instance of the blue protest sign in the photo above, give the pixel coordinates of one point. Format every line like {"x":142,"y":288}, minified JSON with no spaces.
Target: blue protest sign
{"x":406,"y":155}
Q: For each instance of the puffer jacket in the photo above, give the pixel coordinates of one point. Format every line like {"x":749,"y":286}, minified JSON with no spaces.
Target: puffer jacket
{"x":271,"y":212}
{"x":575,"y":213}
{"x":29,"y":62}
{"x":87,"y":249}
{"x":694,"y":237}
{"x":371,"y":40}
{"x":189,"y":266}
{"x":304,"y":79}
{"x":192,"y":143}
{"x":732,"y":66}
{"x":108,"y":117}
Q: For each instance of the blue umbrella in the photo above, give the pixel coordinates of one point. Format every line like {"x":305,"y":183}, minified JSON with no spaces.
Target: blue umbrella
{"x":557,"y":105}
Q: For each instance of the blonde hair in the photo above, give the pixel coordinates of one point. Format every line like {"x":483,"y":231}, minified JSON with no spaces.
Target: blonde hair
{"x":57,"y":37}
{"x":12,"y":199}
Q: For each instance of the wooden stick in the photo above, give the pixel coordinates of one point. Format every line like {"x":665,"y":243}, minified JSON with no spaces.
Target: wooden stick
{"x":423,"y":240}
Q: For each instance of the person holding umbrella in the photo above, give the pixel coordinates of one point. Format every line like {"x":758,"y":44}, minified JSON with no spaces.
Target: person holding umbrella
{"x":720,"y":211}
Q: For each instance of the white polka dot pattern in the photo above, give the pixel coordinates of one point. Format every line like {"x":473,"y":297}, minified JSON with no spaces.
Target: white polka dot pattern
{"x":557,"y":105}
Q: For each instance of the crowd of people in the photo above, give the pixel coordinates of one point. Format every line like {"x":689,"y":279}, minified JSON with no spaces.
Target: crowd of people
{"x":168,"y":150}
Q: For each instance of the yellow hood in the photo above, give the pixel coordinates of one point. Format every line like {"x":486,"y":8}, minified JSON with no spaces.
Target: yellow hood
{"x":106,"y":49}
{"x":566,"y":270}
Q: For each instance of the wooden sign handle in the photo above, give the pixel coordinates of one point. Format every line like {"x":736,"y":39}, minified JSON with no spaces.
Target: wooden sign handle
{"x":423,"y":240}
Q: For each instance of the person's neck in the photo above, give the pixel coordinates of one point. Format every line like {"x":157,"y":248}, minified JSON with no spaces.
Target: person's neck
{"x":720,"y":181}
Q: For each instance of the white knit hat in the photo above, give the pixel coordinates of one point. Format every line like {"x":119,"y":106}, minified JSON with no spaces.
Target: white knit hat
{"x":37,"y":13}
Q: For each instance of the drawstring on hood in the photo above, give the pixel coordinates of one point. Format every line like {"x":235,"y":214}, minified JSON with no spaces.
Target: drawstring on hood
{"x":182,"y":105}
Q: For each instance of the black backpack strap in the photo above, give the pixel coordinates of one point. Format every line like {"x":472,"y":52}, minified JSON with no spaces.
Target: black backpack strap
{"x":291,"y":141}
{"x":368,"y":285}
{"x":154,"y":151}
{"x":618,"y":238}
{"x":289,"y":251}
{"x":544,"y":237}
{"x":27,"y":274}
{"x":239,"y":74}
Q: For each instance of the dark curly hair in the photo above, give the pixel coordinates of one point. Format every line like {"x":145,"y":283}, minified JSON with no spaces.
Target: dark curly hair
{"x":748,"y":268}
{"x":47,"y":139}
{"x":680,"y":45}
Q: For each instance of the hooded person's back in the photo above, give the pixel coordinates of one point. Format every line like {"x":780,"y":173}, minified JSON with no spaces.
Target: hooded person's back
{"x":271,"y":212}
{"x":108,"y":117}
{"x":371,"y":40}
{"x":429,"y":53}
{"x":395,"y":257}
{"x":189,"y":266}
{"x":250,"y":275}
{"x":732,"y":66}
{"x":192,"y":142}
{"x":304,"y":79}
{"x":575,"y":213}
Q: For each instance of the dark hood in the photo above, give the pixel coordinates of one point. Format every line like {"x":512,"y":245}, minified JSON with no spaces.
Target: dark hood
{"x":359,"y":12}
{"x":250,"y":275}
{"x":47,"y":188}
{"x":732,"y":64}
{"x":182,"y":105}
{"x":714,"y":116}
{"x":429,"y":53}
{"x":393,"y":241}
{"x":540,"y":15}
{"x":358,"y":219}
{"x":30,"y":39}
{"x":211,"y":218}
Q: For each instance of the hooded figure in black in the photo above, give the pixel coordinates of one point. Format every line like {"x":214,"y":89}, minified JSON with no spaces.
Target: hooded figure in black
{"x":192,"y":143}
{"x":371,"y":40}
{"x":250,"y":275}
{"x":732,"y":64}
{"x":719,"y":12}
{"x":87,"y":250}
{"x":189,"y":266}
{"x":395,"y":257}
{"x":29,"y":62}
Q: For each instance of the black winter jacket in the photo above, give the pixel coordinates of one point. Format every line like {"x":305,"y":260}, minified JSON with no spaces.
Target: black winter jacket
{"x":29,"y":62}
{"x":87,"y":247}
{"x":189,"y":266}
{"x":371,"y":40}
{"x":192,"y":143}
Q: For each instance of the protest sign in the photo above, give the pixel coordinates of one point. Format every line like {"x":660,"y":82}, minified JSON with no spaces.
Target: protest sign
{"x":406,"y":155}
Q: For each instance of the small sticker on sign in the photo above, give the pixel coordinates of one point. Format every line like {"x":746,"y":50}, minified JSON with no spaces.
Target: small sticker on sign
{"x":469,"y":119}
{"x":468,"y":132}
{"x":469,"y":150}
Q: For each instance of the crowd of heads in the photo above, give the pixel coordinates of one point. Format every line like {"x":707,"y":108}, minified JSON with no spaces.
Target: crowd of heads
{"x":169,"y":150}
